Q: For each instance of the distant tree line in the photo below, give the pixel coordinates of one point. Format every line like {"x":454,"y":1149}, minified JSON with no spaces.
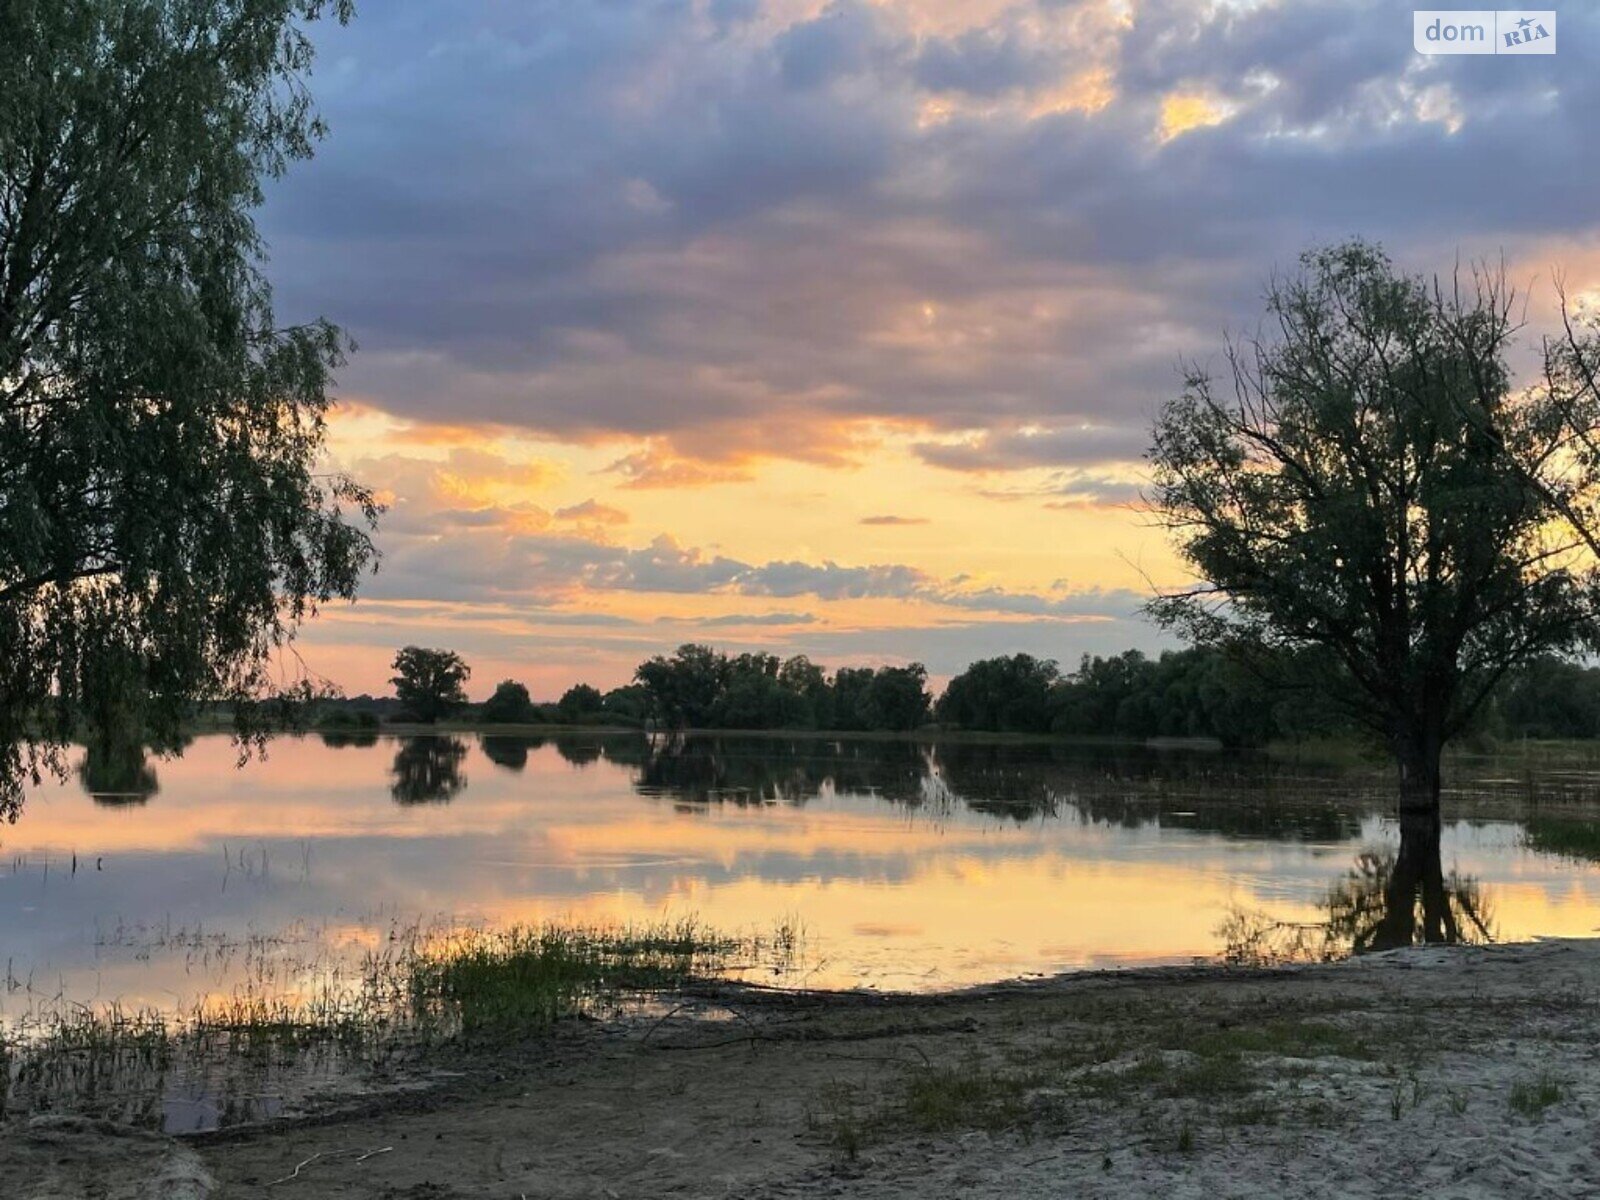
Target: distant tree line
{"x":1209,"y":693}
{"x":1194,"y":693}
{"x":696,"y":687}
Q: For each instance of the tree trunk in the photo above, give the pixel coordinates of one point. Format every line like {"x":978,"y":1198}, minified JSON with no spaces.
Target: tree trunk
{"x":1416,"y":881}
{"x":1418,"y":758}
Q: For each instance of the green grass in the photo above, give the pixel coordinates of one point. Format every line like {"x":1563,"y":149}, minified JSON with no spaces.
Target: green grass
{"x":938,"y":1099}
{"x":1288,"y":1039}
{"x":526,"y":978}
{"x":1175,"y":1073}
{"x":1530,"y":1097}
{"x":421,"y":990}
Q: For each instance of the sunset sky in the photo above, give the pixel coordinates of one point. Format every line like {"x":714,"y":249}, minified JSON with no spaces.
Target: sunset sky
{"x":837,"y":328}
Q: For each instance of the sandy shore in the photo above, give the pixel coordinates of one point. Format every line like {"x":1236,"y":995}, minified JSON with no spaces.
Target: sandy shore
{"x":1470,"y":1072}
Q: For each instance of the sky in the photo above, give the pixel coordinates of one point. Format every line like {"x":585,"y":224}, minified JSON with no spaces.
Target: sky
{"x":838,"y":328}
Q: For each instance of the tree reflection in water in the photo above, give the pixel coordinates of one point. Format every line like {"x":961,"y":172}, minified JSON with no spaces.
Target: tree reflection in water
{"x":1386,"y":901}
{"x":579,"y":751}
{"x":509,"y":750}
{"x":427,"y":770}
{"x":117,"y":772}
{"x":343,"y":739}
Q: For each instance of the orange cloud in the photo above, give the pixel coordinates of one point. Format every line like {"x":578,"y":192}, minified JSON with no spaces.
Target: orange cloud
{"x":657,"y":467}
{"x":592,"y":512}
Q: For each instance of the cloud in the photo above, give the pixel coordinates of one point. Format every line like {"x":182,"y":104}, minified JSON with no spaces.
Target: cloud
{"x":592,"y":512}
{"x":890,"y":519}
{"x":692,"y":240}
{"x":987,"y":62}
{"x":479,"y":564}
{"x":656,"y":468}
{"x":830,"y":581}
{"x":733,"y":620}
{"x":469,"y":487}
{"x":1076,"y":488}
{"x":745,"y":234}
{"x":1034,"y":447}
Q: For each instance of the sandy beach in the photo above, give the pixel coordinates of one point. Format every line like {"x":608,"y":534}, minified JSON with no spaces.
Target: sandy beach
{"x":1460,"y":1072}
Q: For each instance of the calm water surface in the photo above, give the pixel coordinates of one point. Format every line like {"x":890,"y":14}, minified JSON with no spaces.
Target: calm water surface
{"x":909,"y":867}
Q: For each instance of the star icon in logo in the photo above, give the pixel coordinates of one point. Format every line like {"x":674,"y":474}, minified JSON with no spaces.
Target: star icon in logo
{"x":1524,"y":23}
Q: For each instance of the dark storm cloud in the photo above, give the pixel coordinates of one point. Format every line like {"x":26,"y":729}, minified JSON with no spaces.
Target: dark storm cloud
{"x":679,"y":219}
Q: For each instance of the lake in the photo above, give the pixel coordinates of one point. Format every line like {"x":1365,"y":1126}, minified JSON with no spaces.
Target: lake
{"x":907,"y":866}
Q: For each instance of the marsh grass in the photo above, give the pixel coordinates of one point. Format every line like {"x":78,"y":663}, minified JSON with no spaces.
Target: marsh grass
{"x":526,"y":978}
{"x":291,"y":1023}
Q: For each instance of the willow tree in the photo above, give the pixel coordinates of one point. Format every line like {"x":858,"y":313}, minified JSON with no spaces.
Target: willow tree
{"x":163,"y":527}
{"x":1371,"y":482}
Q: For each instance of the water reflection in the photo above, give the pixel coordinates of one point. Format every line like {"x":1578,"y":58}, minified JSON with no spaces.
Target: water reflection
{"x":341,"y":739}
{"x":1404,"y":900}
{"x":1387,"y":900}
{"x":117,"y":772}
{"x":909,"y":865}
{"x":427,"y":770}
{"x":579,"y":751}
{"x":509,"y":752}
{"x":1128,"y":786}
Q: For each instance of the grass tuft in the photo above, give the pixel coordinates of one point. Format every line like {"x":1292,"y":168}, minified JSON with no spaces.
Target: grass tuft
{"x":1530,"y":1097}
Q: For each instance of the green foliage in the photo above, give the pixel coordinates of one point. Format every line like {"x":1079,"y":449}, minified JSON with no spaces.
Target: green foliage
{"x":850,"y":688}
{"x":428,"y":683}
{"x":1189,"y":693}
{"x":525,"y":978}
{"x":810,"y":682}
{"x":579,"y":703}
{"x":1011,"y":695}
{"x":1549,"y":698}
{"x":684,"y":689}
{"x":700,"y":688}
{"x":341,"y":719}
{"x":756,"y":697}
{"x":1372,"y":484}
{"x":628,"y":705}
{"x":1202,"y":692}
{"x":1208,"y":692}
{"x":163,"y":530}
{"x":896,"y":699}
{"x":510,"y":704}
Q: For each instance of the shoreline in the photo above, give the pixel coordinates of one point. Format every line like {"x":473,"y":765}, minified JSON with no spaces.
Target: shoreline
{"x":1464,"y":1071}
{"x":1317,"y":751}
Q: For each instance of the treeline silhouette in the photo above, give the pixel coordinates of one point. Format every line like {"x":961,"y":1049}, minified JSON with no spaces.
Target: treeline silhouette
{"x":1194,"y":693}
